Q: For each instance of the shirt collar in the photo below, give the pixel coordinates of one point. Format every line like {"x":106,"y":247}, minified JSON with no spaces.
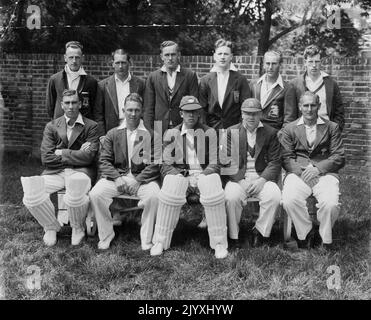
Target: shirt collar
{"x":279,"y":80}
{"x":232,"y":67}
{"x":80,"y":72}
{"x":78,"y":120}
{"x":125,"y":81}
{"x":163,"y":68}
{"x":260,"y":125}
{"x":141,"y":126}
{"x":301,"y":121}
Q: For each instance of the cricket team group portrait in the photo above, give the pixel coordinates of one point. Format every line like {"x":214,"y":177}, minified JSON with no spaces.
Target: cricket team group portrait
{"x":169,"y":176}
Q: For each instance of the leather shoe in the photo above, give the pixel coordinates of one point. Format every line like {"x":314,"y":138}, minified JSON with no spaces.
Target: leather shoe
{"x":157,"y":249}
{"x":257,"y":239}
{"x":104,"y":245}
{"x":220,"y":252}
{"x":234,"y":244}
{"x":50,"y":238}
{"x":308,"y":243}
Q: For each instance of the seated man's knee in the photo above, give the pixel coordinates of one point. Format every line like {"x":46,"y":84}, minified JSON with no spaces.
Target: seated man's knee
{"x":77,"y":188}
{"x":232,"y":192}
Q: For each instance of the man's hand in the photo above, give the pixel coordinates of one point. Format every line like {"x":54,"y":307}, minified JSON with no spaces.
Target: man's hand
{"x":58,"y":152}
{"x":101,"y":140}
{"x":255,"y":187}
{"x":309,"y":174}
{"x":120,"y":185}
{"x":85,"y":146}
{"x":133,"y":188}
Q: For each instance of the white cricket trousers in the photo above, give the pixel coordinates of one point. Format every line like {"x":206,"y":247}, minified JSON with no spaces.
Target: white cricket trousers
{"x":269,"y":200}
{"x":326,"y":191}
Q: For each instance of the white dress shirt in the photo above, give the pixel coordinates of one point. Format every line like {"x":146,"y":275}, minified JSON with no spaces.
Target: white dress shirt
{"x":266,"y":88}
{"x":70,"y":127}
{"x":250,"y":173}
{"x":73,"y":77}
{"x":122,"y":91}
{"x":222,"y":79}
{"x":310,"y":131}
{"x":171,"y":78}
{"x":313,"y":86}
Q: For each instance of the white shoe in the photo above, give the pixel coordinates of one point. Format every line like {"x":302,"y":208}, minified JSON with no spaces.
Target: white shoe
{"x":104,"y":245}
{"x":157,"y":249}
{"x":202,"y":224}
{"x":146,"y":246}
{"x":77,"y":236}
{"x":50,"y":238}
{"x":220,"y":252}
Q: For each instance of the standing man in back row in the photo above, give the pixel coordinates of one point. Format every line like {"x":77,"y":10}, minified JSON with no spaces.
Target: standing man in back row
{"x":223,"y":90}
{"x":72,"y":77}
{"x":165,"y":88}
{"x":270,"y":90}
{"x":320,"y":83}
{"x":112,"y":92}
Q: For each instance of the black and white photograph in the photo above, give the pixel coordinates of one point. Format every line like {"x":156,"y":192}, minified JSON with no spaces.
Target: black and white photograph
{"x":185,"y":157}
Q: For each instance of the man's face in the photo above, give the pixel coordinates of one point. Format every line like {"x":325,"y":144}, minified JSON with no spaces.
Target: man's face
{"x":190,"y":118}
{"x":309,"y":108}
{"x":251,"y":119}
{"x":133,"y":112}
{"x":121,"y":65}
{"x":170,"y":57}
{"x":223,"y":57}
{"x":73,"y":58}
{"x":71,"y":106}
{"x":272,"y":65}
{"x":313,"y":64}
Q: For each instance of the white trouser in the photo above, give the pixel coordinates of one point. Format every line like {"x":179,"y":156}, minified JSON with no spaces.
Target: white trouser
{"x":101,"y":198}
{"x":269,"y":200}
{"x":326,"y":191}
{"x":38,"y":188}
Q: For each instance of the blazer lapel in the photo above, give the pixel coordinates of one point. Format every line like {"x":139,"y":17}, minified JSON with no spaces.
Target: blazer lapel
{"x":231,"y":81}
{"x":257,"y":89}
{"x":62,"y":130}
{"x":133,"y":85}
{"x":64,"y":80}
{"x":111,"y":89}
{"x":76,"y":131}
{"x":214,"y":86}
{"x":321,"y":131}
{"x":178,"y":81}
{"x":124,"y":145}
{"x":277,"y":90}
{"x":243,"y":145}
{"x":259,"y":141}
{"x":164,"y":84}
{"x":300,"y":133}
{"x":81,"y":84}
{"x":329,"y":93}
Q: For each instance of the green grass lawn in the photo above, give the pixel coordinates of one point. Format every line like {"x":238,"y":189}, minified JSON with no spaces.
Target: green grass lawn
{"x":188,"y":270}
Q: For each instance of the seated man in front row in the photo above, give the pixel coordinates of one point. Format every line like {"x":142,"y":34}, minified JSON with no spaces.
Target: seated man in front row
{"x":190,"y":160}
{"x":313,"y":153}
{"x":68,"y":150}
{"x":125,"y":166}
{"x":257,"y":168}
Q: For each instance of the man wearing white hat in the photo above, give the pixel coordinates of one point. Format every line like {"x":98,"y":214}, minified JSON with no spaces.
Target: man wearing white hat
{"x":68,"y":150}
{"x":190,"y":161}
{"x":258,"y":166}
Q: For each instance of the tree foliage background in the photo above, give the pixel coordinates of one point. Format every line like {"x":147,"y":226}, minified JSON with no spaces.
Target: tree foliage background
{"x":140,"y":25}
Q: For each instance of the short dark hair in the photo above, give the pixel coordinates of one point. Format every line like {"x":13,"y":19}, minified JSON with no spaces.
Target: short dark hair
{"x":169,"y":43}
{"x":311,"y":51}
{"x":74,"y":45}
{"x":223,"y":43}
{"x":70,"y":92}
{"x":121,"y":52}
{"x":275,"y":52}
{"x":310,"y":94}
{"x":135,"y":97}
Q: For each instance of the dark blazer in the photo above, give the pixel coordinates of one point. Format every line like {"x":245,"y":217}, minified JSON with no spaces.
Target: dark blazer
{"x":327,"y":153}
{"x":276,"y":97}
{"x":334,"y":102}
{"x":236,"y":92}
{"x":267,"y":153}
{"x":114,"y":162}
{"x":157,"y":103}
{"x":55,"y":137}
{"x":106,"y":110}
{"x":58,"y":83}
{"x":175,"y":151}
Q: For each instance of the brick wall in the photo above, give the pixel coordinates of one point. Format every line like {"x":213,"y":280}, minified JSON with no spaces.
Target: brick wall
{"x":24,"y":77}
